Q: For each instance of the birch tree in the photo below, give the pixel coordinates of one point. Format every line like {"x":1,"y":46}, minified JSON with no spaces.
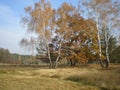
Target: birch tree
{"x":109,"y":20}
{"x":39,"y":19}
{"x":62,"y":25}
{"x":106,"y":14}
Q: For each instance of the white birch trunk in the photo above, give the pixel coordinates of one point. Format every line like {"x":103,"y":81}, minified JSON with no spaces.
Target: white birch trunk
{"x":47,"y":44}
{"x":106,"y":48}
{"x":49,"y":57}
{"x":99,"y":43}
{"x":58,"y":56}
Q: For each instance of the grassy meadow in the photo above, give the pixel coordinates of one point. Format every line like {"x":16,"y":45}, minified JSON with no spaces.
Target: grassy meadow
{"x":89,"y":77}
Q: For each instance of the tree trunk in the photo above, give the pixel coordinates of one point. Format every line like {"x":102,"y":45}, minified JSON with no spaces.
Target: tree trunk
{"x":106,"y":46}
{"x":71,"y":63}
{"x":56,"y":62}
{"x":49,"y":57}
{"x":99,"y":44}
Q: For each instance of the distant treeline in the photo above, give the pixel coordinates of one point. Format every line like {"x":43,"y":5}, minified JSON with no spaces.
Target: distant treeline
{"x":7,"y":57}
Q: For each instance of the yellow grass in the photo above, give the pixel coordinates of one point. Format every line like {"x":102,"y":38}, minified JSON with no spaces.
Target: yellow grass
{"x":79,"y":78}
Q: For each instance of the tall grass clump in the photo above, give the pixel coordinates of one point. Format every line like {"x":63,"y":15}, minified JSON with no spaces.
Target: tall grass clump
{"x":103,"y":80}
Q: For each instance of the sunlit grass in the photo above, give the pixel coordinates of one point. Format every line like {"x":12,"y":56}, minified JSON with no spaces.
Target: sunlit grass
{"x":82,"y":78}
{"x":103,"y":80}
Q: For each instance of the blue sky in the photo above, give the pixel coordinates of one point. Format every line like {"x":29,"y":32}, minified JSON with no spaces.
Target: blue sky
{"x":11,"y":32}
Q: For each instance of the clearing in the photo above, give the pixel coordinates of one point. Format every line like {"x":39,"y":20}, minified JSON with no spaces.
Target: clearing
{"x":89,"y":77}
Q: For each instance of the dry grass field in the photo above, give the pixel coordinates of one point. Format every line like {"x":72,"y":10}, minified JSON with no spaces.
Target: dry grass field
{"x":89,"y":77}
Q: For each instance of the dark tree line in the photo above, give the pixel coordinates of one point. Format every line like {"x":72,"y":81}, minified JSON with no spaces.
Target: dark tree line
{"x":9,"y":58}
